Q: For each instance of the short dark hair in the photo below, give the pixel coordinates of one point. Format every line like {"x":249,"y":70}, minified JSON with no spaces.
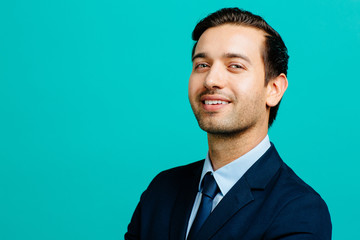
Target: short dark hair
{"x":275,"y":55}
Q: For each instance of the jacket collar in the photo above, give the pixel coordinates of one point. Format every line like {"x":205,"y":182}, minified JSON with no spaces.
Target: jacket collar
{"x":240,"y":195}
{"x":184,"y":202}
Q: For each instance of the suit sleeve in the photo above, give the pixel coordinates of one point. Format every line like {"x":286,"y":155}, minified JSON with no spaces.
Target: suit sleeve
{"x":135,"y":226}
{"x":133,"y":231}
{"x":303,"y":218}
{"x":137,"y":229}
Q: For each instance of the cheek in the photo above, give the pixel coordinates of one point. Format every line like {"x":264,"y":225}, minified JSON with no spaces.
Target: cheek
{"x":193,"y":87}
{"x":249,"y":90}
{"x":243,"y":89}
{"x":250,"y":83}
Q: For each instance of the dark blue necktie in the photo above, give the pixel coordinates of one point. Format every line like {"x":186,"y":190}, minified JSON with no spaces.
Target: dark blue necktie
{"x":209,"y":191}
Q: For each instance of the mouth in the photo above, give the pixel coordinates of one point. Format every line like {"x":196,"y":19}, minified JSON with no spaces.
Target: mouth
{"x":214,"y":103}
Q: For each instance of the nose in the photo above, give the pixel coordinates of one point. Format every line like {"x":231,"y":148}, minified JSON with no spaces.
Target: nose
{"x":214,"y":78}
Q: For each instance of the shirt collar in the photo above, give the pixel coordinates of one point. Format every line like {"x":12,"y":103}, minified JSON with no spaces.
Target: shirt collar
{"x":228,"y":175}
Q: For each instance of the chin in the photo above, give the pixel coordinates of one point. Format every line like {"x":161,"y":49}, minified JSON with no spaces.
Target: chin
{"x":220,"y":129}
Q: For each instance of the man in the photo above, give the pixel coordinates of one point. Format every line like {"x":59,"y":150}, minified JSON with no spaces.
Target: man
{"x":242,"y":190}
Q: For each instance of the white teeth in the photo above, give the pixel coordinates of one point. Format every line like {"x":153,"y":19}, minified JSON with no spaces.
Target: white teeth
{"x":213,"y":102}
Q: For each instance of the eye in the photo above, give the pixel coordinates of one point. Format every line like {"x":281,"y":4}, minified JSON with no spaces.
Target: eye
{"x":201,"y":65}
{"x":236,"y":66}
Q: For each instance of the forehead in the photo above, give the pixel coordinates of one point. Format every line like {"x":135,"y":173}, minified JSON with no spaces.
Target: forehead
{"x":230,"y":38}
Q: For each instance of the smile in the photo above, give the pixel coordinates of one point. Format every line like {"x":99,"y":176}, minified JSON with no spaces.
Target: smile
{"x":215,"y":102}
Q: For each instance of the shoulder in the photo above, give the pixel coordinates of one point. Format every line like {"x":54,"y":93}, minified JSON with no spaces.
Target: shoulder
{"x":176,"y":173}
{"x":293,"y":187}
{"x":299,"y":209}
{"x":170,"y":180}
{"x":281,"y":178}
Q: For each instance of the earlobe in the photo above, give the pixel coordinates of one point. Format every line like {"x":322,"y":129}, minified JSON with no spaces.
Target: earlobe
{"x":276,"y":89}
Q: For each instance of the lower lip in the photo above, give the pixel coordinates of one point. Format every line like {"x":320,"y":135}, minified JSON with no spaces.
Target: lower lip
{"x":214,"y":107}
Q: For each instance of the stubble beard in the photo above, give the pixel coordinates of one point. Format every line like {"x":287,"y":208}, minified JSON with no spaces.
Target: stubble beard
{"x":216,"y":125}
{"x":229,"y":125}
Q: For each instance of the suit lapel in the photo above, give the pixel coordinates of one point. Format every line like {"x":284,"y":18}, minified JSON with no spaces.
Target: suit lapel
{"x":184,"y":203}
{"x":240,"y":195}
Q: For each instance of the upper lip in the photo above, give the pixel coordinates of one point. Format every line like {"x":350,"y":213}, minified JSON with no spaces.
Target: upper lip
{"x":214,"y":97}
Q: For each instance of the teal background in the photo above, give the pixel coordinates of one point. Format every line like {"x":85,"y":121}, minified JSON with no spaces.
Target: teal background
{"x":93,"y":101}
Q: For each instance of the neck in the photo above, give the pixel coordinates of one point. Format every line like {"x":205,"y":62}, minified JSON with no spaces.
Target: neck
{"x":225,"y":148}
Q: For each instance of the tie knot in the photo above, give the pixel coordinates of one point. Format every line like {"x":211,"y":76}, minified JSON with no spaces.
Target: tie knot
{"x":210,"y":188}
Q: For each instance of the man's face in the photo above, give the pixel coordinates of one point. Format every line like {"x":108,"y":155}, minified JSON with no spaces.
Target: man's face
{"x":227,"y":89}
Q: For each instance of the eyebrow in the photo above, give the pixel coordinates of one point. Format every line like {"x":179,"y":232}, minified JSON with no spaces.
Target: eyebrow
{"x":226,"y":55}
{"x":199,"y":55}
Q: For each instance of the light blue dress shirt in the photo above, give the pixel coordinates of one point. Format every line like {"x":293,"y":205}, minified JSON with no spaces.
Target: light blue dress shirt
{"x":228,"y":175}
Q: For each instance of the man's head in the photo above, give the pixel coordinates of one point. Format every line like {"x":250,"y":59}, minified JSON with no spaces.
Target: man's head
{"x":259,"y":58}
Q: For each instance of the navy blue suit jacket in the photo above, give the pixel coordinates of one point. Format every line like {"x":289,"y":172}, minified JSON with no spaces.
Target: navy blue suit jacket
{"x":269,"y":202}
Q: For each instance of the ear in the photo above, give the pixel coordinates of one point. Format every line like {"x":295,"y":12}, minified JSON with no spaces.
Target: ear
{"x":276,"y":88}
